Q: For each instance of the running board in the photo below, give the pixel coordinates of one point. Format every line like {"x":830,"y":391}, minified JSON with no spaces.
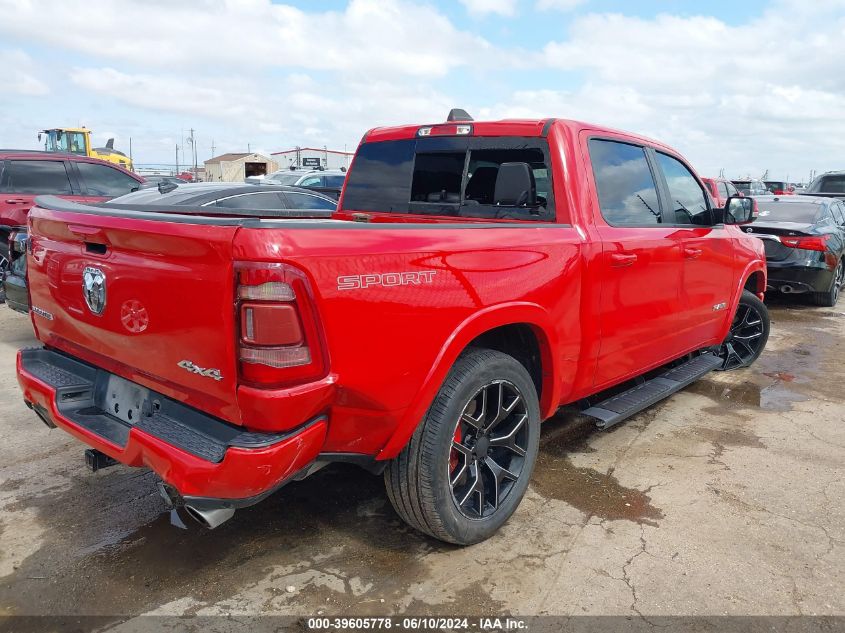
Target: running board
{"x":615,"y":409}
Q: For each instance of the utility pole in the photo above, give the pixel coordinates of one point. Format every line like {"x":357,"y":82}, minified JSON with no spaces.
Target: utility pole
{"x":177,"y":160}
{"x":212,"y":148}
{"x":130,"y":149}
{"x":248,"y":148}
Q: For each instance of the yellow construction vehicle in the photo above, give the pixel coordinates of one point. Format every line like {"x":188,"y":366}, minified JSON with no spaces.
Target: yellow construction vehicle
{"x":77,"y":140}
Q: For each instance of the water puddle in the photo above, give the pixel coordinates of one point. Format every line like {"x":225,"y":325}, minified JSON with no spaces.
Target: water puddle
{"x":592,"y":492}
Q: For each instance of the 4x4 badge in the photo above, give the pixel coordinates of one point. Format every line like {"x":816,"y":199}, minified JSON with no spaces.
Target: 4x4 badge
{"x":94,"y":289}
{"x":202,"y":371}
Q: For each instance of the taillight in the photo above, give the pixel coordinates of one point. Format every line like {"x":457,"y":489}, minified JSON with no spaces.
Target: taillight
{"x":811,"y":243}
{"x":279,"y":337}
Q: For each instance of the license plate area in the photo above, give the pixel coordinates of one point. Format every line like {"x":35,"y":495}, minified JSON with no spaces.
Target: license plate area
{"x":124,"y":400}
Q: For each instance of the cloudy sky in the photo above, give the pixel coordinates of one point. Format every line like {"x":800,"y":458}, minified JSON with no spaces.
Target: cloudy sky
{"x":740,"y":86}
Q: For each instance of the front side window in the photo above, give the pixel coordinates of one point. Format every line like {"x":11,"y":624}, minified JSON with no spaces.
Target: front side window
{"x":626,"y":190}
{"x":723,"y":190}
{"x":732,"y":191}
{"x":102,"y":180}
{"x":689,"y":204}
{"x":311,"y":181}
{"x":77,"y":143}
{"x":38,"y":177}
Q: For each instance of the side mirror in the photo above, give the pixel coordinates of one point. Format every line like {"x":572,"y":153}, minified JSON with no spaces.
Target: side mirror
{"x":740,"y":210}
{"x":515,"y":186}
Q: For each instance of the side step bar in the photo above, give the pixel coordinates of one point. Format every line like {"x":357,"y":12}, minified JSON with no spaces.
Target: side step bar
{"x":622,"y":406}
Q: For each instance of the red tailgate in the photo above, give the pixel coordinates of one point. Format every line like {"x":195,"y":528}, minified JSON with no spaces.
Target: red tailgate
{"x":168,"y":317}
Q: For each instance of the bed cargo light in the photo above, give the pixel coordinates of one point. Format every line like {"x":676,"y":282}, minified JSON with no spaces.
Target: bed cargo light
{"x":445,"y":130}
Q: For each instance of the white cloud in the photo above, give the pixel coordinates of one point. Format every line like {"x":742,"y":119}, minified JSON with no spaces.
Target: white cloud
{"x":17,"y":75}
{"x":376,"y":37}
{"x":558,"y":5}
{"x":484,"y":7}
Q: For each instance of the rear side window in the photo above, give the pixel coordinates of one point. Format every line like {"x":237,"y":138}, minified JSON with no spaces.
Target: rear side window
{"x":38,"y":177}
{"x":454,"y":176}
{"x":269,"y":200}
{"x":626,"y":189}
{"x":689,"y":204}
{"x":838,"y":213}
{"x":102,"y":180}
{"x":304,"y":201}
{"x":335,"y":182}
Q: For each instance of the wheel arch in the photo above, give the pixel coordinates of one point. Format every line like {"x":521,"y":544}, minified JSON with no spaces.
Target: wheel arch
{"x":499,"y":327}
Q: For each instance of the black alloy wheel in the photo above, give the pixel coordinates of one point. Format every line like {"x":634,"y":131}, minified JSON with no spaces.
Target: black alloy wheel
{"x":488,"y":449}
{"x":748,"y":334}
{"x":469,"y":461}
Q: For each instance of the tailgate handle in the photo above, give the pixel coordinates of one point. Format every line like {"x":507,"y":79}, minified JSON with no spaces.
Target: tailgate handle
{"x":89,"y":233}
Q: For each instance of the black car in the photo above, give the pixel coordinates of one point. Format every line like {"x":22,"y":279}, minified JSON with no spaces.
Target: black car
{"x":154,"y":181}
{"x":805,"y":245}
{"x":227,"y":195}
{"x":230,"y":198}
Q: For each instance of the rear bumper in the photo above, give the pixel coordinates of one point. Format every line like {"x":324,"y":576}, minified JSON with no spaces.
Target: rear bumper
{"x":799,"y":277}
{"x":198,"y":455}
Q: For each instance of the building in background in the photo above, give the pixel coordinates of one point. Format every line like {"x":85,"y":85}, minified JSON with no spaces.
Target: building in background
{"x":313,"y":158}
{"x":235,"y":167}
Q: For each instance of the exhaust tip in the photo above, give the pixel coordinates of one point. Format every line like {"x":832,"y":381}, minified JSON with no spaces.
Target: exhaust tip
{"x":786,"y":289}
{"x":210,"y":518}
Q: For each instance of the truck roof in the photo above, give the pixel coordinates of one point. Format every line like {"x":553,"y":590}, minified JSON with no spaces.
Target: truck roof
{"x":505,"y":127}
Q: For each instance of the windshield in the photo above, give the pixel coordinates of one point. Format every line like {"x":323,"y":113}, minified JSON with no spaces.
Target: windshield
{"x":744,"y":187}
{"x":800,"y":212}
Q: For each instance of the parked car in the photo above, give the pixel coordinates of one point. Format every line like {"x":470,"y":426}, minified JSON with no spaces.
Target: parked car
{"x":329,"y":182}
{"x":805,"y":245}
{"x":476,"y":276}
{"x":227,"y":195}
{"x":721,"y":189}
{"x":751,"y":187}
{"x":779,"y":187}
{"x":27,"y":174}
{"x":831,"y":183}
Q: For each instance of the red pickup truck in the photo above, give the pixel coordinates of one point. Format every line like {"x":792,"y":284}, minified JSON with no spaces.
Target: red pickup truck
{"x":475,"y":277}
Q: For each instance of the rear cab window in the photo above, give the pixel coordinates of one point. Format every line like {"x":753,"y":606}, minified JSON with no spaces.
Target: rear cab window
{"x":448,"y":176}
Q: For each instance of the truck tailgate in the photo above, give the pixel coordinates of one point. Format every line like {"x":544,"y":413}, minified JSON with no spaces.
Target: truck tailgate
{"x":149,"y":300}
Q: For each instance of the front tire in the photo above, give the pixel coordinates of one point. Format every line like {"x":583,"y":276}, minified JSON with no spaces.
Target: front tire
{"x":829,"y":298}
{"x":748,"y":334}
{"x":468,"y":464}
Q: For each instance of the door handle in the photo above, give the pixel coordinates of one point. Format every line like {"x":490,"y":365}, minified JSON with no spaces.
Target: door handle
{"x":692,"y":253}
{"x":15,"y":200}
{"x":620,"y":260}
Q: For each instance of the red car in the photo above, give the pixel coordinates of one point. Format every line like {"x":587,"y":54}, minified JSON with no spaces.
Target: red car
{"x":27,"y":174}
{"x":721,"y":189}
{"x":475,"y":277}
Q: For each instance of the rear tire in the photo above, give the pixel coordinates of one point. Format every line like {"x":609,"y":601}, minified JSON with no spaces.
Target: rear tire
{"x":829,"y":298}
{"x":748,"y":334}
{"x":468,"y":465}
